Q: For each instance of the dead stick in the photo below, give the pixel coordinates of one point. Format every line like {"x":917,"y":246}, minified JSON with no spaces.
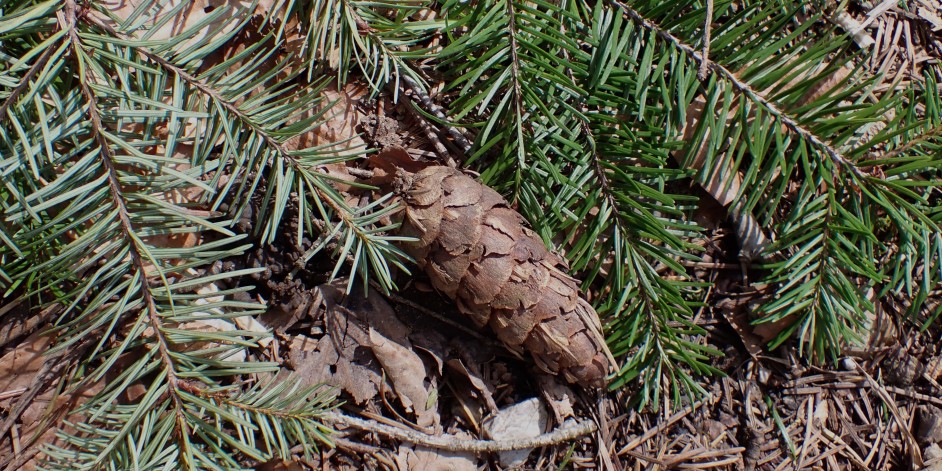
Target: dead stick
{"x":452,"y":443}
{"x":17,"y":461}
{"x":914,"y":395}
{"x":432,"y":135}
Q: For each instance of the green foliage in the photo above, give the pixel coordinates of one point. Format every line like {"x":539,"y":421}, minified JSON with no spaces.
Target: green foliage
{"x":579,"y":108}
{"x":261,"y":422}
{"x":377,"y":38}
{"x":102,"y":134}
{"x":594,"y":118}
{"x":555,"y":86}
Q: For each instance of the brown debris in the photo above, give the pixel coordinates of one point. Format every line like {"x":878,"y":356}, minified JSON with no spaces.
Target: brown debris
{"x":477,"y":251}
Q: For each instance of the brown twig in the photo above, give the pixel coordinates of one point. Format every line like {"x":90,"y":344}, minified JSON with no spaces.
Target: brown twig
{"x":361,"y":173}
{"x":18,"y":461}
{"x":914,"y":395}
{"x":443,"y":154}
{"x":562,"y":434}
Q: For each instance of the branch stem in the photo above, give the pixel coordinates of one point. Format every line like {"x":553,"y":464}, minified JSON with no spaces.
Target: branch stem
{"x":562,"y":434}
{"x":68,"y":21}
{"x":705,"y":52}
{"x":25,"y":81}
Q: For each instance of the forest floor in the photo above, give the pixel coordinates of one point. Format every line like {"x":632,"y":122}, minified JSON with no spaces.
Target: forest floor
{"x":423,"y":389}
{"x":879,"y":408}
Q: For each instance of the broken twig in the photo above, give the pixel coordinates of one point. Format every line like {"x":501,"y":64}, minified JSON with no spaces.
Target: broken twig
{"x":562,"y":434}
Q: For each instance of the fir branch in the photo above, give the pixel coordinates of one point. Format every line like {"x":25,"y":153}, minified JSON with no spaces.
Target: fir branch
{"x":68,"y":22}
{"x":342,"y":34}
{"x":90,"y":207}
{"x":665,"y":338}
{"x":839,"y":159}
{"x":910,"y":144}
{"x":348,"y":217}
{"x":25,"y":80}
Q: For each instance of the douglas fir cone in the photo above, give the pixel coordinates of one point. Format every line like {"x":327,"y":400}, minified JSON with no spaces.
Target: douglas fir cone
{"x":477,"y":251}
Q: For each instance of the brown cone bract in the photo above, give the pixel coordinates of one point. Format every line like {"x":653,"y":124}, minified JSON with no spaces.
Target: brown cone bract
{"x":477,"y":251}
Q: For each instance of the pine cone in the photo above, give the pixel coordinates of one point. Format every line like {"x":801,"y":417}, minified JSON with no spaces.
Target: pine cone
{"x":477,"y":251}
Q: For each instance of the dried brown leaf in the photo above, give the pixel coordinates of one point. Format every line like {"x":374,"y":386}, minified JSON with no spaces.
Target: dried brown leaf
{"x":19,"y":366}
{"x":753,"y":338}
{"x":427,"y":459}
{"x":379,"y":328}
{"x":319,"y":362}
{"x":364,"y":342}
{"x":341,"y":118}
{"x":23,"y":368}
{"x":408,"y":375}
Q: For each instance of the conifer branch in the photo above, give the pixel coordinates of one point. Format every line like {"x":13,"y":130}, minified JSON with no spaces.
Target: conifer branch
{"x":839,"y":159}
{"x":912,"y":143}
{"x":25,"y":80}
{"x":346,"y":214}
{"x":515,"y":87}
{"x":126,"y":227}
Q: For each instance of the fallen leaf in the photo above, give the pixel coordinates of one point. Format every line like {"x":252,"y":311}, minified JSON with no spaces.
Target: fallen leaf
{"x":19,"y":366}
{"x":388,"y":338}
{"x":473,"y":393}
{"x":341,"y":118}
{"x":351,"y":371}
{"x":559,"y":396}
{"x":427,"y":459}
{"x":408,"y":374}
{"x":753,"y":337}
{"x":879,"y":329}
{"x":284,"y":315}
{"x":40,"y":420}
